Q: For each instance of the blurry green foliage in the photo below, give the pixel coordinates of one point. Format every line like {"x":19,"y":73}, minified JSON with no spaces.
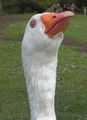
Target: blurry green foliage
{"x":81,"y":3}
{"x":18,"y":6}
{"x":66,"y":2}
{"x":47,"y":2}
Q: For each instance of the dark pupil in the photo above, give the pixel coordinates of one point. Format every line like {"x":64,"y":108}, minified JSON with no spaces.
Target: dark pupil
{"x":33,"y":23}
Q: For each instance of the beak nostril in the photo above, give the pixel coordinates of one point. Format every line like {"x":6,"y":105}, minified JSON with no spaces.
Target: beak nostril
{"x":54,"y":16}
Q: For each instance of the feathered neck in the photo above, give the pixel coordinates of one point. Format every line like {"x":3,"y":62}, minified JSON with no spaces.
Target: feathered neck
{"x":40,"y":65}
{"x":41,"y":81}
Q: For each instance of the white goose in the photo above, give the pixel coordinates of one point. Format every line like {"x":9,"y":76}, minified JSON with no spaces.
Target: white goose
{"x":42,"y":39}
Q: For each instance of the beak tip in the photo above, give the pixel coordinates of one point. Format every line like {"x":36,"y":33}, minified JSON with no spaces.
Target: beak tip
{"x":68,"y":14}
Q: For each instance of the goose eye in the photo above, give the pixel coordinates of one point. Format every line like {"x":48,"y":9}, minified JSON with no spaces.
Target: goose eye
{"x":33,"y":23}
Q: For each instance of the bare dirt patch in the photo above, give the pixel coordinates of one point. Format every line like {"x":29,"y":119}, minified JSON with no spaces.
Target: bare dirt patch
{"x":8,"y":19}
{"x":82,"y":47}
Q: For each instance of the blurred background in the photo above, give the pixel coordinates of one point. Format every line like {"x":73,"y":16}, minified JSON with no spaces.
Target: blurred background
{"x":22,"y":6}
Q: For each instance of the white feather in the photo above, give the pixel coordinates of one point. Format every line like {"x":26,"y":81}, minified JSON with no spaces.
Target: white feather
{"x":39,"y":55}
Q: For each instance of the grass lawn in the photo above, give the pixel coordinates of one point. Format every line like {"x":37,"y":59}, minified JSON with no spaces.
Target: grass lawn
{"x":71,"y":91}
{"x":13,"y":98}
{"x":78,"y":29}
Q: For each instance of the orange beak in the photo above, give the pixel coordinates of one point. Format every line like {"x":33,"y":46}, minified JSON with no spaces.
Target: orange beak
{"x":56,"y":22}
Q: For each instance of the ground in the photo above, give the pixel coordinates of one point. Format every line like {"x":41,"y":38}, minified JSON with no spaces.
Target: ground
{"x":71,"y":90}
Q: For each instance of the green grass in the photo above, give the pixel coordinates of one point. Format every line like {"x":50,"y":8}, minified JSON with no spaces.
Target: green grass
{"x":13,"y":98}
{"x":71,"y":91}
{"x":78,"y":29}
{"x":15,"y":29}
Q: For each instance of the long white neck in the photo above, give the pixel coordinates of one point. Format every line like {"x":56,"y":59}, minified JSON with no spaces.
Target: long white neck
{"x":40,"y":80}
{"x":40,"y":63}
